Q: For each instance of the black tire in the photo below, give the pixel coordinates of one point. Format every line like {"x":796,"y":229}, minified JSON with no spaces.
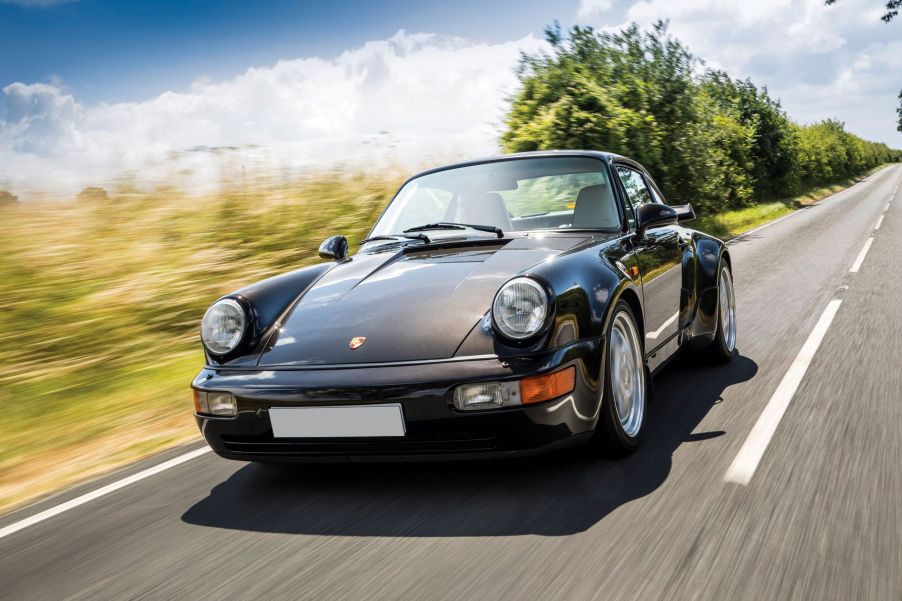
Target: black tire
{"x":723,"y":347}
{"x":611,"y":439}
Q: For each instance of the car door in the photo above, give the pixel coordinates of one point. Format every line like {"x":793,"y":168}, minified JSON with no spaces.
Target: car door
{"x":659,"y":254}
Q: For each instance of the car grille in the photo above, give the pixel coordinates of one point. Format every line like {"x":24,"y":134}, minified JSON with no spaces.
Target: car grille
{"x":409,"y":445}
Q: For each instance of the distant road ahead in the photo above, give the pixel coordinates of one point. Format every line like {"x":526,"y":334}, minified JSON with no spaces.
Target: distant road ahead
{"x":820,"y":517}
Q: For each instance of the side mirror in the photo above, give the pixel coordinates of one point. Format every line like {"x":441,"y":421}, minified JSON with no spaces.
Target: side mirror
{"x":684,"y":212}
{"x":652,"y":214}
{"x":334,"y":248}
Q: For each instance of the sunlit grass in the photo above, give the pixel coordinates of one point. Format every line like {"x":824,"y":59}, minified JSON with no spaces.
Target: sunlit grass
{"x":100,"y":302}
{"x":729,"y":224}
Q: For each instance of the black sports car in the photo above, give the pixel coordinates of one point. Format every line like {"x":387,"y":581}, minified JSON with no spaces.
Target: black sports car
{"x":507,"y":305}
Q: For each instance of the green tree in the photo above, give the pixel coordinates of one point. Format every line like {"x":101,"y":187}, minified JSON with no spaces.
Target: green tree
{"x":708,"y":139}
{"x":92,"y":194}
{"x":773,"y":154}
{"x":630,"y":93}
{"x":8,"y":198}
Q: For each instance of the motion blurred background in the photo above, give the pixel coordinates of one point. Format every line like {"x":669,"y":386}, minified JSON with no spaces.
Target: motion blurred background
{"x":155,"y":156}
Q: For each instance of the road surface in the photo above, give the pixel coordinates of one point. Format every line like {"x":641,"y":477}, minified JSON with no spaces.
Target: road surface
{"x":776,"y":477}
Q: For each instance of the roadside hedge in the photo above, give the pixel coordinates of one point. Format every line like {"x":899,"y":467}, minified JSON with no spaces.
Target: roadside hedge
{"x":717,"y":142}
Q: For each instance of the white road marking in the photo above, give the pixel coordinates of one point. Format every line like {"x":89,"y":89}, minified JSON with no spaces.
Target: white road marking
{"x":103,"y":490}
{"x":746,"y":461}
{"x":795,"y":212}
{"x":768,"y":224}
{"x":860,"y":258}
{"x":879,"y":223}
{"x":663,"y":327}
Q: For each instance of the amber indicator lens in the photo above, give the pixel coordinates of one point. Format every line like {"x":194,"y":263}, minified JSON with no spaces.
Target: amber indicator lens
{"x":200,"y":402}
{"x":546,"y":387}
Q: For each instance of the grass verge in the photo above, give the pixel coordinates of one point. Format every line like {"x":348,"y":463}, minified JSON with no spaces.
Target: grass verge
{"x":100,"y":300}
{"x":730,"y":224}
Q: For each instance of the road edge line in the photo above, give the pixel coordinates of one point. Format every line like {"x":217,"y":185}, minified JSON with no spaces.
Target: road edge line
{"x":738,"y":237}
{"x":100,"y":492}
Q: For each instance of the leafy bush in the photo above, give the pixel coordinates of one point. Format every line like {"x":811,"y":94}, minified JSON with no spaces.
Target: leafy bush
{"x":709,"y":139}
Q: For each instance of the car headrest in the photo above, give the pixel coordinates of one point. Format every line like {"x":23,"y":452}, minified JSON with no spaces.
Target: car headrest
{"x":595,"y":208}
{"x":484,"y":208}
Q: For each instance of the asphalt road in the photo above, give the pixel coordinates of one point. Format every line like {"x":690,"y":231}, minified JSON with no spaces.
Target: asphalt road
{"x":820,"y":518}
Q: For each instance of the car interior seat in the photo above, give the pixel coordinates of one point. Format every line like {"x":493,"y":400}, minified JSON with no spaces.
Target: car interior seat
{"x":595,"y":208}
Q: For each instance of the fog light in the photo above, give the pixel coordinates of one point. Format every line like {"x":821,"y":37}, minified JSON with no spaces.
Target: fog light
{"x":486,"y":395}
{"x":215,"y":403}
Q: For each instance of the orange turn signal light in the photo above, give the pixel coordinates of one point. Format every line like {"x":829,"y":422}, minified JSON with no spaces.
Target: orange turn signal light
{"x":549,"y":386}
{"x":197,"y":407}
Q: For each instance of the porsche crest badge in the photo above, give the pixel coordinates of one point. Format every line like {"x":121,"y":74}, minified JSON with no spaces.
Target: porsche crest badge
{"x":357,"y":342}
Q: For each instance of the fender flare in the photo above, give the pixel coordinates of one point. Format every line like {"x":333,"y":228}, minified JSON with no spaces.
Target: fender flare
{"x":710,"y":254}
{"x":266,"y":302}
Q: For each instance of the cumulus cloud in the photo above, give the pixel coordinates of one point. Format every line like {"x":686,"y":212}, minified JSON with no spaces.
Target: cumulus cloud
{"x":822,"y":61}
{"x":590,"y":9}
{"x":411,"y":98}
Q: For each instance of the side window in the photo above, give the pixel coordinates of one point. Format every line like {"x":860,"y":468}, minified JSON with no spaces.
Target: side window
{"x":636,"y":190}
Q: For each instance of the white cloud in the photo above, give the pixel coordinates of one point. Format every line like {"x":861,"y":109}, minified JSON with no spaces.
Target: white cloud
{"x":591,"y":9}
{"x":413,"y":98}
{"x":422,"y":98}
{"x":822,"y":61}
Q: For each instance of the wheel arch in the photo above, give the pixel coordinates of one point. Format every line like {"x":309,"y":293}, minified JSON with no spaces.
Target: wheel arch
{"x":631,"y":297}
{"x":725,"y":256}
{"x":710,"y":254}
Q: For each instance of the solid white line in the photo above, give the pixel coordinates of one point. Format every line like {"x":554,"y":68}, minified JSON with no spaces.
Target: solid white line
{"x":769,"y":223}
{"x":860,"y":258}
{"x":103,"y":490}
{"x":746,"y":462}
{"x":796,"y":212}
{"x":879,"y":223}
{"x":664,"y":325}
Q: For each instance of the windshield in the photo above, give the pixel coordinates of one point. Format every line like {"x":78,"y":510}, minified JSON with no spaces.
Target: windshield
{"x":513,"y":195}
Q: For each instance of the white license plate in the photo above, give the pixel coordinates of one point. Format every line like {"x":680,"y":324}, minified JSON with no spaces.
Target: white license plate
{"x":337,"y":422}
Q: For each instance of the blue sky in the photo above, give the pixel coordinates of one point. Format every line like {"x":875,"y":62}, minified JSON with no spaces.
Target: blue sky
{"x":193,"y":92}
{"x":110,"y":51}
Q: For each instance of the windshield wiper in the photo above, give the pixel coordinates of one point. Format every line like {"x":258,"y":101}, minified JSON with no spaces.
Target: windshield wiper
{"x":451,"y":225}
{"x":422,"y":237}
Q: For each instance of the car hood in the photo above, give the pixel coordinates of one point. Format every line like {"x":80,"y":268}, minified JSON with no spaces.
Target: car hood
{"x":409,"y":304}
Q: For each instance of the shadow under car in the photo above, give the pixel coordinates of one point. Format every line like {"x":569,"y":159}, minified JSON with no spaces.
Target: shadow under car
{"x":552,"y":495}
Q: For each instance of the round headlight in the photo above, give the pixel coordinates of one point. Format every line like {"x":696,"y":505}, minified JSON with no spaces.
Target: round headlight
{"x":520,"y":308}
{"x":223,"y":326}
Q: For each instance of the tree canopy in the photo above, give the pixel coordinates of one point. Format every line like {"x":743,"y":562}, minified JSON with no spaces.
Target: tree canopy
{"x":707,"y":138}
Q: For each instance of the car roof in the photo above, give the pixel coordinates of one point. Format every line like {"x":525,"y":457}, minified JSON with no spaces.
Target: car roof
{"x":605,"y":156}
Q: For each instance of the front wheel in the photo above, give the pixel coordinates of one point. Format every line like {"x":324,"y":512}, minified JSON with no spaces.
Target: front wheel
{"x":622,"y":415}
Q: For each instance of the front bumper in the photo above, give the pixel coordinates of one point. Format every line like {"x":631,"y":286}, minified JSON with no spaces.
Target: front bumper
{"x":434,"y":428}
